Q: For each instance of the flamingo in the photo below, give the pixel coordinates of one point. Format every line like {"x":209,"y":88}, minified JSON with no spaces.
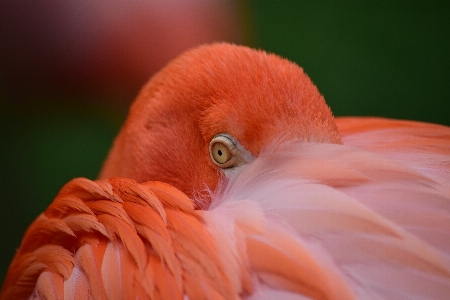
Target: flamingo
{"x":232,"y":179}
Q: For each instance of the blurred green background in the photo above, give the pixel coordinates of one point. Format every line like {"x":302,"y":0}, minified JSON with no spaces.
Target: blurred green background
{"x":67,"y":75}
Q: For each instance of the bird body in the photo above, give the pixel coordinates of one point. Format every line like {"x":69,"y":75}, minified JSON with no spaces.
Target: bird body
{"x":311,"y":207}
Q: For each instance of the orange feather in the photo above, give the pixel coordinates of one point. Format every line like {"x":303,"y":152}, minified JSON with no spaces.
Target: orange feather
{"x":316,"y":207}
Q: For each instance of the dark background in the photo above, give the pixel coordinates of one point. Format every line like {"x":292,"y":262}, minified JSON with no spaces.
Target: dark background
{"x":68,"y":72}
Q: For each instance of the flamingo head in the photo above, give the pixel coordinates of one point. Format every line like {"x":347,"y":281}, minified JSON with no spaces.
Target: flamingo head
{"x":210,"y":112}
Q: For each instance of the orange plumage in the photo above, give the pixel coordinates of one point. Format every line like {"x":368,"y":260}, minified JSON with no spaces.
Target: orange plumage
{"x":231,"y":179}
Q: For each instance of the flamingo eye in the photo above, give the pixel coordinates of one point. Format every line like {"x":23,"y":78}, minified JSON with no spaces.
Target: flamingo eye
{"x":222,"y":150}
{"x":227,"y":153}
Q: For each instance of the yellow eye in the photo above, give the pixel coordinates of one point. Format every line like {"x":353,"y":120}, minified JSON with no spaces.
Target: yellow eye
{"x":220,"y":153}
{"x":222,"y":149}
{"x":227,"y":153}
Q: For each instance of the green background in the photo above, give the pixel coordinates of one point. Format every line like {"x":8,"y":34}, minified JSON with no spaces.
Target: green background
{"x":384,"y":58}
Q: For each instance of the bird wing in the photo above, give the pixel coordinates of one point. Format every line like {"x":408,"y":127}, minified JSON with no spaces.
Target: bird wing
{"x":116,"y":238}
{"x":303,"y":220}
{"x":368,"y":219}
{"x":424,"y":147}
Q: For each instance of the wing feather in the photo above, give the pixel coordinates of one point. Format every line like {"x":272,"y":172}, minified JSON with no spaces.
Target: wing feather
{"x":76,"y":286}
{"x":117,"y":271}
{"x":366,"y":222}
{"x":89,"y":264}
{"x":118,"y":238}
{"x":50,"y":286}
{"x":367,"y":219}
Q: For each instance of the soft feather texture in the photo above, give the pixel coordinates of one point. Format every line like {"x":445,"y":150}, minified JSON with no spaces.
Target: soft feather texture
{"x":374,"y":226}
{"x":362,"y":212}
{"x":117,"y":239}
{"x":304,"y":220}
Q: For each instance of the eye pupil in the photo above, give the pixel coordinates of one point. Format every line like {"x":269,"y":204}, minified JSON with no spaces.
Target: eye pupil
{"x":220,"y":153}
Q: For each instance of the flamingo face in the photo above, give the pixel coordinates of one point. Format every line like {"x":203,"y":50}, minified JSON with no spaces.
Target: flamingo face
{"x":215,"y":98}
